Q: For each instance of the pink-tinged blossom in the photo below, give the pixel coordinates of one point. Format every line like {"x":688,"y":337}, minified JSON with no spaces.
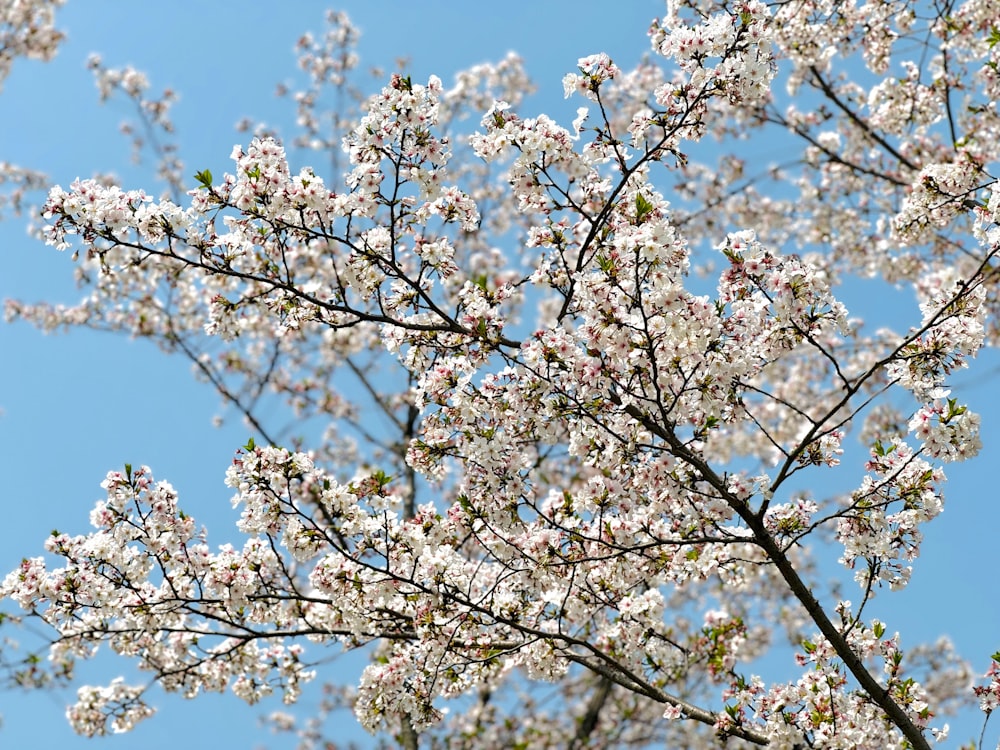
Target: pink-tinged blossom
{"x":989,"y":694}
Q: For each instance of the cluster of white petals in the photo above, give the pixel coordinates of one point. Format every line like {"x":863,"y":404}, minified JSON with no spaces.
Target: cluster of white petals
{"x":27,"y":30}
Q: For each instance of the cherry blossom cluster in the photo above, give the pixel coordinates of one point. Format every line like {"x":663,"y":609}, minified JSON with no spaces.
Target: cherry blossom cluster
{"x":157,"y":126}
{"x":148,"y":563}
{"x":27,"y":30}
{"x":938,"y":196}
{"x":949,"y":432}
{"x":989,"y":695}
{"x":821,"y":707}
{"x":953,"y":330}
{"x":89,"y":716}
{"x":17,"y":183}
{"x":881,"y":528}
{"x":594,"y":70}
{"x":739,"y":39}
{"x":328,"y":60}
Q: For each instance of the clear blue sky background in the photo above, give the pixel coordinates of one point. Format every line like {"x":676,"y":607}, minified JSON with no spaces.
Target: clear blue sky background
{"x":77,"y":405}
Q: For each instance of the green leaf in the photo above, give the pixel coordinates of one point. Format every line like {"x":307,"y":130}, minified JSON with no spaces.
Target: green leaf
{"x":204,"y":178}
{"x":879,"y":629}
{"x":250,"y":446}
{"x":994,"y":38}
{"x":381,"y":479}
{"x":954,"y":409}
{"x":642,"y":207}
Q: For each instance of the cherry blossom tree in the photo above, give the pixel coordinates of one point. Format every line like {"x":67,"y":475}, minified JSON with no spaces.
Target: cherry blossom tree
{"x":576,"y":389}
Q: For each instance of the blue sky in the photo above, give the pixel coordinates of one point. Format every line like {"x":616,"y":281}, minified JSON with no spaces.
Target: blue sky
{"x":78,"y":405}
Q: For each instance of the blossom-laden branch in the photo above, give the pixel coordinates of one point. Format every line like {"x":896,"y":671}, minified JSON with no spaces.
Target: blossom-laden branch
{"x":27,"y":30}
{"x":562,"y":466}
